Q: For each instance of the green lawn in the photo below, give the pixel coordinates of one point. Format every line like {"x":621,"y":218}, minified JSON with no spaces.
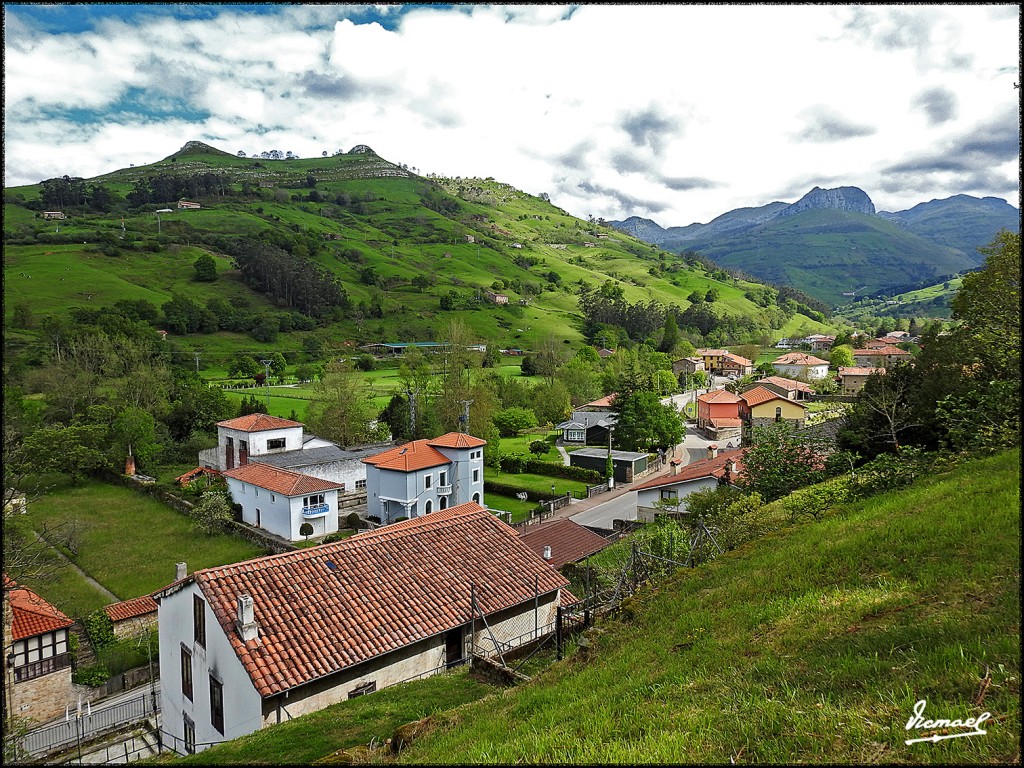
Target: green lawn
{"x":130,"y":542}
{"x":541,"y":483}
{"x":520,"y":509}
{"x":521,"y":445}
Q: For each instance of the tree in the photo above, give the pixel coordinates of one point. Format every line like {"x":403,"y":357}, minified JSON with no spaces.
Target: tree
{"x":75,"y":450}
{"x":511,"y":421}
{"x":551,"y":401}
{"x":884,"y":415}
{"x":341,"y":407}
{"x":644,"y":423}
{"x":306,"y":529}
{"x":305,"y":372}
{"x":134,"y":430}
{"x":538,"y":447}
{"x":695,"y":297}
{"x":841,"y":356}
{"x":711,"y":295}
{"x":206,"y":268}
{"x":670,"y":335}
{"x":778,"y":462}
{"x":212,"y":513}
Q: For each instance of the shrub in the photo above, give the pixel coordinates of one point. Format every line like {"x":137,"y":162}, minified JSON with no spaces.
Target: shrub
{"x":94,"y":675}
{"x":814,"y":500}
{"x":539,"y":447}
{"x":306,"y":529}
{"x":354,"y":521}
{"x":99,"y":628}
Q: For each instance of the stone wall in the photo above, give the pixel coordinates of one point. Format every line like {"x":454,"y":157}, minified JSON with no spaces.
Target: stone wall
{"x":43,"y":698}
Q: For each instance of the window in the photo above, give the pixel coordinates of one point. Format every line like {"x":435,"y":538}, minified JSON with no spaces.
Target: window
{"x":443,"y":478}
{"x":186,"y":672}
{"x":476,"y":475}
{"x":427,"y":480}
{"x":199,"y":620}
{"x":360,"y":484}
{"x":363,"y":689}
{"x":190,"y":734}
{"x":217,"y":704}
{"x":669,"y":494}
{"x":273,"y":498}
{"x":476,"y":497}
{"x":428,"y":507}
{"x":275,"y":444}
{"x":312,"y":501}
{"x":41,"y":655}
{"x":778,"y":413}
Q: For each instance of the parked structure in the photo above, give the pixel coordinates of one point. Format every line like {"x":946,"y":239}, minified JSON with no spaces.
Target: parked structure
{"x":37,"y":669}
{"x":251,"y":644}
{"x":424,"y":476}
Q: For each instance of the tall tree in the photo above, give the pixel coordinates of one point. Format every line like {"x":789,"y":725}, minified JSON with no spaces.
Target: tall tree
{"x":644,"y":423}
{"x":342,"y":407}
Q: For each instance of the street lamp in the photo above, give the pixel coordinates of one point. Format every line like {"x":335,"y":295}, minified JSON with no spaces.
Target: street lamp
{"x":610,"y":467}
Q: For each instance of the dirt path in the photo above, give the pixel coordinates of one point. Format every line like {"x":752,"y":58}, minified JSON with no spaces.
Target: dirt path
{"x":106,"y":592}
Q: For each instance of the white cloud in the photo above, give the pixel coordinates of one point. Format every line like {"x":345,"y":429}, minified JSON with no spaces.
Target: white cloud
{"x":675,"y":110}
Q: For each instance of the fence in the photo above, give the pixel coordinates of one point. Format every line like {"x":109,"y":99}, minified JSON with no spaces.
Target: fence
{"x":88,"y":725}
{"x":593,"y":490}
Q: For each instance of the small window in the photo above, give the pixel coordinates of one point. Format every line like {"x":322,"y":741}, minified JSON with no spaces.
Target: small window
{"x":186,"y":672}
{"x":476,"y":475}
{"x":275,"y":444}
{"x":427,"y":480}
{"x":190,"y":734}
{"x":443,"y":479}
{"x":778,"y":413}
{"x":257,"y":491}
{"x":428,"y":507}
{"x":360,"y":485}
{"x":273,"y":498}
{"x":363,"y":689}
{"x":669,"y":494}
{"x":199,"y":620}
{"x":217,"y":704}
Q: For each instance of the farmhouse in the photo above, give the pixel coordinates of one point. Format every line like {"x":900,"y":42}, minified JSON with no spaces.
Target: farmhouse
{"x":586,"y":427}
{"x":853,"y":379}
{"x":37,"y":672}
{"x":760,"y":406}
{"x":801,"y":364}
{"x":424,"y":476}
{"x":712,"y":358}
{"x":673,"y":489}
{"x":255,"y":643}
{"x":280,"y":500}
{"x":496,"y":298}
{"x":54,"y":215}
{"x":687,"y":365}
{"x":791,"y":389}
{"x":735,"y":364}
{"x":880,"y":357}
{"x":132,"y":618}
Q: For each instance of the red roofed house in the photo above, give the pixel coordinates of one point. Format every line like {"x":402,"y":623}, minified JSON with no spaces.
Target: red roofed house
{"x":718,"y":414}
{"x":852,"y":380}
{"x":562,"y":541}
{"x":424,"y":476}
{"x":791,"y":389}
{"x":256,"y":434}
{"x":712,"y":358}
{"x":281,"y":500}
{"x":132,"y":618}
{"x":37,"y":672}
{"x":255,"y":643}
{"x":880,"y":357}
{"x":731,"y":363}
{"x":718,"y":468}
{"x":801,"y":364}
{"x":760,"y":406}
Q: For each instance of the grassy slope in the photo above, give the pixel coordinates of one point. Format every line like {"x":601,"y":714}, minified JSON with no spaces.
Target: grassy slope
{"x":397,"y":235}
{"x":810,"y":646}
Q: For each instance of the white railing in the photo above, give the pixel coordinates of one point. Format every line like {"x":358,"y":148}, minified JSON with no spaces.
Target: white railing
{"x":444,"y":490}
{"x":314,"y":510}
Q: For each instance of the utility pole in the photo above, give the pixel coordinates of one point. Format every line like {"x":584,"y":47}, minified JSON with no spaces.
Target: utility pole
{"x":266,"y":380}
{"x":196,"y":355}
{"x":412,"y":414}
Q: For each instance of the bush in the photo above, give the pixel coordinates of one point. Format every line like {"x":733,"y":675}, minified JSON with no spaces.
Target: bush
{"x":100,"y":629}
{"x":366,"y":363}
{"x":354,"y":521}
{"x":539,"y":447}
{"x":94,"y":675}
{"x":511,"y":490}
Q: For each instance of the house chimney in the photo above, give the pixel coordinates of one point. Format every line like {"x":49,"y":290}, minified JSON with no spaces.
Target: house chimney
{"x":712,"y":451}
{"x":674,"y":464}
{"x":129,"y":464}
{"x":181,"y":571}
{"x":547,"y":552}
{"x":246,"y":619}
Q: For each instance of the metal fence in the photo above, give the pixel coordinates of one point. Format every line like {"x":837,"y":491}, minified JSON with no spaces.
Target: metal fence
{"x":87,"y":724}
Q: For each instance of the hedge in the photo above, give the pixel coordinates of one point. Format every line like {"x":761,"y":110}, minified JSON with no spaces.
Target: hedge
{"x":513,"y":490}
{"x":516,"y":464}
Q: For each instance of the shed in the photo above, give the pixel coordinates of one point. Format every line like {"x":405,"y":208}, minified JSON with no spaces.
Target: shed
{"x":625,"y":464}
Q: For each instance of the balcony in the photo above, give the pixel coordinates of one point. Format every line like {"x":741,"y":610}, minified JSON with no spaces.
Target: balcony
{"x":316,"y":510}
{"x":444,"y":490}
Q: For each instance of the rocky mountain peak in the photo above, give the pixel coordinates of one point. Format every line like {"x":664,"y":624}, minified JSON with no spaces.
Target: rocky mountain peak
{"x":851,"y":199}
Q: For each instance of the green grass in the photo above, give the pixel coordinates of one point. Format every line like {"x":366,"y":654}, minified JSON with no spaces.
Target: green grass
{"x":520,"y":509}
{"x":809,"y":646}
{"x":130,"y":542}
{"x":541,"y":483}
{"x":346,"y":725}
{"x":521,"y":445}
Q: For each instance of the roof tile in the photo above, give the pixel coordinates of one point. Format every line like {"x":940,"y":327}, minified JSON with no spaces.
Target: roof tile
{"x":258,"y":422}
{"x":284,"y":481}
{"x":569,"y":541}
{"x":705,"y":468}
{"x":30,"y":614}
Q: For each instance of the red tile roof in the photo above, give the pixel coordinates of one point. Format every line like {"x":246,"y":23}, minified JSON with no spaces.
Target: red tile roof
{"x":854,"y":371}
{"x":329,"y":607}
{"x":758,"y":395}
{"x":569,"y":541}
{"x":799,"y":358}
{"x":604,"y":402}
{"x":705,"y":468}
{"x":30,"y":614}
{"x":129,"y":609}
{"x":888,"y":349}
{"x":712,"y":352}
{"x":784,"y":383}
{"x":283,"y":481}
{"x":457,"y":440}
{"x":721,"y":422}
{"x":258,"y":422}
{"x":736,"y":359}
{"x":410,"y":457}
{"x":719,"y":396}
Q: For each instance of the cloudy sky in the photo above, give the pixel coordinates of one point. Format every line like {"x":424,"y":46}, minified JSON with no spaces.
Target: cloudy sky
{"x":675,"y":113}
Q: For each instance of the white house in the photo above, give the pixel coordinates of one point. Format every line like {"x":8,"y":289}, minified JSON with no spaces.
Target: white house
{"x":423,"y":476}
{"x":801,"y":364}
{"x":280,"y":500}
{"x":256,"y":434}
{"x":674,"y":488}
{"x":251,"y":644}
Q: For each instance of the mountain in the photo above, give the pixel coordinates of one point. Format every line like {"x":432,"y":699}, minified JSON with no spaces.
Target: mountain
{"x":832,"y":241}
{"x":962,"y":221}
{"x":347,"y":249}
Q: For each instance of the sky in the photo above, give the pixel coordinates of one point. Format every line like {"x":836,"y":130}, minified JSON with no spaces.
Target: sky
{"x":676,"y":113}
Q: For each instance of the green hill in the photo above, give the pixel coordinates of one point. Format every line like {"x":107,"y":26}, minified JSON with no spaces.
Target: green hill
{"x":827,"y":252}
{"x":811,"y":645}
{"x":401,"y":245}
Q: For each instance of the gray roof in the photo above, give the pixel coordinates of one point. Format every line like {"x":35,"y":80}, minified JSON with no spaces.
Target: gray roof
{"x":588,"y":419}
{"x":602,"y":453}
{"x":327,"y":455}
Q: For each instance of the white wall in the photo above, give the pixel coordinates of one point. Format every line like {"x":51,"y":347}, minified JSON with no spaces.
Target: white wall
{"x":648,"y":496}
{"x":257,"y":442}
{"x":347,"y":472}
{"x":279,"y":514}
{"x":811,"y":371}
{"x":242,"y":704}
